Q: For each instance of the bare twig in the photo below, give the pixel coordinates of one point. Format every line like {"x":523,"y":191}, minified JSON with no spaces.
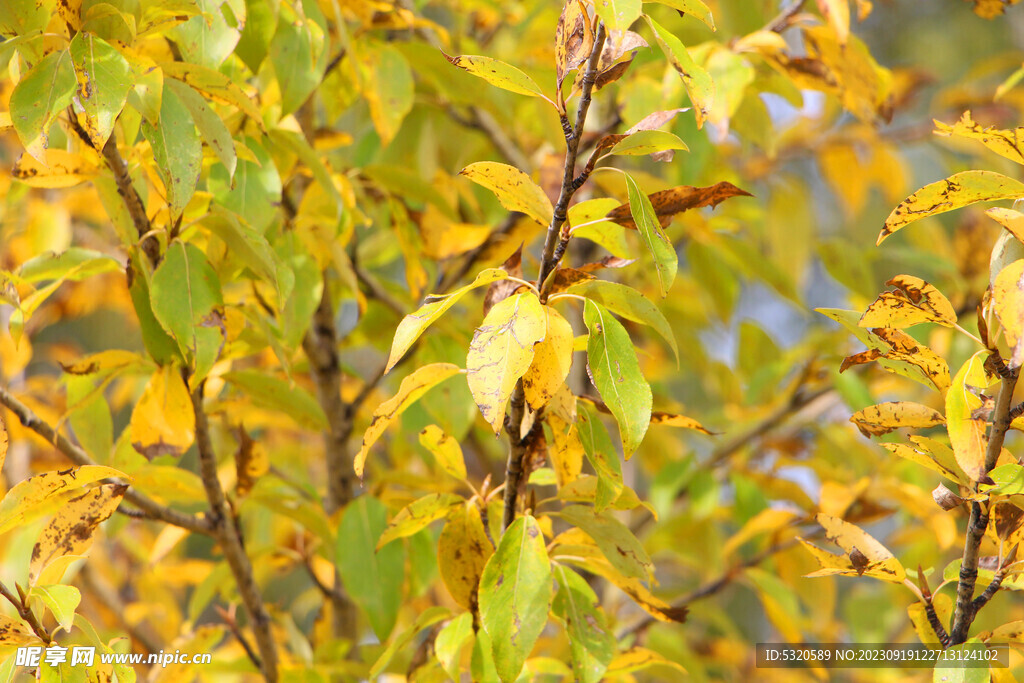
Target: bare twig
{"x":25,"y":612}
{"x":231,"y":543}
{"x":75,"y":454}
{"x":554,"y":241}
{"x":782,"y":21}
{"x":229,"y":618}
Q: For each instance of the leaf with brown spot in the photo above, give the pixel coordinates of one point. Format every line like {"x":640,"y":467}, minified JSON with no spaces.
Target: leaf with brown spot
{"x":607,"y":262}
{"x":251,"y":462}
{"x":865,"y":555}
{"x":1008,"y":304}
{"x":162,"y":421}
{"x":943,"y":462}
{"x":672,"y":420}
{"x":1010,"y":219}
{"x":497,"y":73}
{"x":410,"y":391}
{"x":966,"y":417}
{"x":668,"y":203}
{"x":563,"y":278}
{"x":15,"y":633}
{"x":552,"y":360}
{"x":956,"y":191}
{"x":462,"y":552}
{"x":574,"y":39}
{"x":418,"y":515}
{"x":513,"y":188}
{"x":883,"y":418}
{"x":655,"y":120}
{"x":59,"y":169}
{"x":71,"y":530}
{"x":913,"y":301}
{"x":445,"y":449}
{"x":1005,"y":143}
{"x":621,"y":548}
{"x":26,"y":498}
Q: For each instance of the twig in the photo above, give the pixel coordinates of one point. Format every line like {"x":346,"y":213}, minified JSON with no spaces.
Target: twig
{"x":79,"y":457}
{"x":517,"y":444}
{"x":26,"y":613}
{"x":965,"y":612}
{"x":781,"y":22}
{"x":231,"y":543}
{"x":229,"y":619}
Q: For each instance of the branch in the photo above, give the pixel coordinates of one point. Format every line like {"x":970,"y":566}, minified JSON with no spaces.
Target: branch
{"x":781,"y":22}
{"x":554,"y":240}
{"x":25,"y":612}
{"x":231,"y":543}
{"x":75,"y":454}
{"x":481,"y":120}
{"x":965,"y":612}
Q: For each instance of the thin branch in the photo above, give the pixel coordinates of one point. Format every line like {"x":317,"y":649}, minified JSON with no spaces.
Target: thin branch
{"x":78,"y":456}
{"x":26,"y":613}
{"x":965,"y":612}
{"x":781,"y":22}
{"x":231,"y":543}
{"x":229,"y":619}
{"x":517,"y":444}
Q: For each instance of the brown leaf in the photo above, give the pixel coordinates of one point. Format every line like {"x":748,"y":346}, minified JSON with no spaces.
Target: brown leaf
{"x":612,"y":73}
{"x":655,"y":120}
{"x":608,"y":262}
{"x":668,"y":203}
{"x":574,"y":39}
{"x":564,"y":278}
{"x":859,"y":561}
{"x":502,"y":289}
{"x":946,"y":499}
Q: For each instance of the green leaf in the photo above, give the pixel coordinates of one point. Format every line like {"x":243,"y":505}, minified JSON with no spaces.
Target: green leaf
{"x":666,"y":260}
{"x":206,"y":38}
{"x":213,"y":84}
{"x":21,"y":17}
{"x":249,"y":246}
{"x":498,"y":73}
{"x":603,"y":457}
{"x":45,"y":91}
{"x":211,"y":127}
{"x":61,"y":600}
{"x":277,"y":394}
{"x":513,"y":188}
{"x":608,"y":234}
{"x":648,"y":142}
{"x":618,"y":15}
{"x":372,"y":578}
{"x":622,"y":549}
{"x":71,"y":265}
{"x":614,"y":370}
{"x":160,"y":345}
{"x":695,"y":8}
{"x":177,"y":151}
{"x":260,"y":25}
{"x":296,"y":143}
{"x":295,"y":53}
{"x":515,"y":595}
{"x":956,"y":191}
{"x":185,"y":296}
{"x":591,"y":642}
{"x":450,"y":641}
{"x":628,"y":303}
{"x":104,"y":79}
{"x":697,"y":81}
{"x":389,"y":87}
{"x":255,"y":190}
{"x":418,"y":515}
{"x":427,"y":618}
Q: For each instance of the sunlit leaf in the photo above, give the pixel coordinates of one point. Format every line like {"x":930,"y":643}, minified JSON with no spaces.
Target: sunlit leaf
{"x":887,"y":417}
{"x":512,"y":187}
{"x":552,"y":360}
{"x":498,"y":73}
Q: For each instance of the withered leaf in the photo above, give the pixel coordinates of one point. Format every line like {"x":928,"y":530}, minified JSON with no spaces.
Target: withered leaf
{"x":668,"y":203}
{"x":913,"y":301}
{"x":883,"y":418}
{"x":574,"y":39}
{"x":502,"y":289}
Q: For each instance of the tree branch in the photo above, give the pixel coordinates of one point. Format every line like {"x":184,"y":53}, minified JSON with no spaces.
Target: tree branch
{"x":78,"y":456}
{"x":26,"y":613}
{"x":517,"y":444}
{"x":231,"y":543}
{"x":965,"y":612}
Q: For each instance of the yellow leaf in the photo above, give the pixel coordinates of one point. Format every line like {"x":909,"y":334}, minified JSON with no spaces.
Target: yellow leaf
{"x":566,"y":452}
{"x":913,"y":301}
{"x":71,"y":530}
{"x":462,"y":552}
{"x":837,"y":12}
{"x":501,"y":351}
{"x":883,"y":418}
{"x":418,"y":515}
{"x":865,"y":555}
{"x":639,"y":658}
{"x":162,"y":421}
{"x":411,"y":389}
{"x":943,"y":605}
{"x":574,"y":39}
{"x":966,"y":422}
{"x":1008,"y":304}
{"x":444,"y":238}
{"x":412,"y":325}
{"x":4,"y":441}
{"x":62,"y":169}
{"x":14,"y":632}
{"x":1010,"y":219}
{"x":445,"y":450}
{"x":497,"y":73}
{"x":513,"y":188}
{"x":103,"y":361}
{"x":1005,"y":143}
{"x":551,"y":361}
{"x":770,"y":520}
{"x":29,"y":495}
{"x":672,"y":420}
{"x":925,"y":458}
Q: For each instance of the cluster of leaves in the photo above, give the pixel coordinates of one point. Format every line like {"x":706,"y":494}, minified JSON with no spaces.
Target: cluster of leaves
{"x":222,"y":224}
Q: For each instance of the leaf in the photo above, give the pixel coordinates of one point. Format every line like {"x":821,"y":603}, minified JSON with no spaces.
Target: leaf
{"x":630,"y":304}
{"x":966,"y":421}
{"x":513,"y":188}
{"x":898,"y":352}
{"x":640,"y":658}
{"x":914,"y":301}
{"x":412,"y":325}
{"x":552,"y":360}
{"x":71,"y":530}
{"x":501,"y":352}
{"x":215,"y":85}
{"x":591,"y":642}
{"x":14,"y":632}
{"x":22,"y":17}
{"x":177,"y":151}
{"x":42,"y":93}
{"x":618,"y":15}
{"x":211,"y":127}
{"x":450,"y":642}
{"x":245,"y":243}
{"x":445,"y":450}
{"x":883,"y":418}
{"x":4,"y":442}
{"x":61,"y":600}
{"x":574,"y":39}
{"x":666,"y":261}
{"x":880,"y":563}
{"x":614,"y":370}
{"x":956,"y":191}
{"x":425,"y":619}
{"x":1008,"y":304}
{"x":515,"y":596}
{"x":926,"y":458}
{"x":462,"y":552}
{"x":254,"y":191}
{"x":163,"y":422}
{"x":389,"y":88}
{"x":695,"y":8}
{"x":587,"y":215}
{"x":668,"y":203}
{"x":185,"y":295}
{"x":618,"y":544}
{"x":1005,"y":143}
{"x":104,"y":79}
{"x":837,"y":13}
{"x":648,"y":142}
{"x":418,"y":515}
{"x":671,"y":420}
{"x":56,"y":168}
{"x":295,"y":51}
{"x":597,"y":446}
{"x":277,"y":394}
{"x":372,"y":578}
{"x":26,"y":497}
{"x":410,"y":391}
{"x":697,"y":81}
{"x":497,"y":73}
